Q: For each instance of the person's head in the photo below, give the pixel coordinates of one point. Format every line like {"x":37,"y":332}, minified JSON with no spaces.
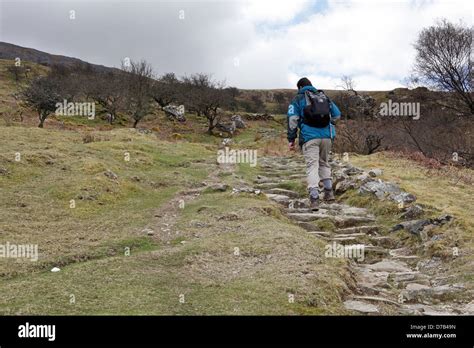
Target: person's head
{"x":303,"y":82}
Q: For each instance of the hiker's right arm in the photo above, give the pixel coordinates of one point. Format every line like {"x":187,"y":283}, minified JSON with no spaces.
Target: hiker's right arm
{"x":293,"y":119}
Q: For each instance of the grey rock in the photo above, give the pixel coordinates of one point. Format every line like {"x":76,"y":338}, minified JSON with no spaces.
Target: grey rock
{"x":363,"y":178}
{"x":359,"y":306}
{"x":352,"y":171}
{"x":282,"y":199}
{"x":175,"y":112}
{"x":226,"y":141}
{"x":218,"y":187}
{"x":346,"y":221}
{"x":389,"y":266}
{"x":110,"y":174}
{"x":228,"y":128}
{"x":375,"y":172}
{"x":427,"y":294}
{"x":345,"y":185}
{"x":412,"y":212}
{"x":148,"y":231}
{"x":383,"y":190}
{"x":239,"y":123}
{"x":416,"y":226}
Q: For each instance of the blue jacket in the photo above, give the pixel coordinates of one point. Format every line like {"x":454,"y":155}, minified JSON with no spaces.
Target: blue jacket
{"x":295,"y":116}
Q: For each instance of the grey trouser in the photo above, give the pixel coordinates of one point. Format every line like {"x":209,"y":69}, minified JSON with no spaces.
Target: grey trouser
{"x":316,"y":155}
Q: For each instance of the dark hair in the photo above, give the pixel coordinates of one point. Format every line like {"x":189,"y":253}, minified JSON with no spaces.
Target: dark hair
{"x":303,"y":82}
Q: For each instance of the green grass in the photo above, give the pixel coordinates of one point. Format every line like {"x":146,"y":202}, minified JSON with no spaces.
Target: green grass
{"x":35,"y":201}
{"x":213,"y":279}
{"x":88,"y":242}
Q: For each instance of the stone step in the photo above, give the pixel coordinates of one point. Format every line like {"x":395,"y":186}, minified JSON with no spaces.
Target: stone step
{"x":377,"y":299}
{"x":320,"y":233}
{"x":299,"y":203}
{"x":339,"y":221}
{"x":376,"y":250}
{"x":389,"y":266}
{"x":401,"y":279}
{"x":281,"y":199}
{"x":421,"y":309}
{"x":268,"y":185}
{"x":427,"y":294}
{"x":384,"y":241}
{"x":280,"y":191}
{"x":355,"y":235}
{"x":361,"y":307}
{"x":265,"y":180}
{"x":371,"y":278}
{"x":360,"y":229}
{"x":308,"y":217}
{"x":402,"y":254}
{"x":346,"y":221}
{"x":344,"y":208}
{"x":342,"y":240}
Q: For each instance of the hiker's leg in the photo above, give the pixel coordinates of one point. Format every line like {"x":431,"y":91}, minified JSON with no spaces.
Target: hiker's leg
{"x":324,"y":167}
{"x":311,"y":155}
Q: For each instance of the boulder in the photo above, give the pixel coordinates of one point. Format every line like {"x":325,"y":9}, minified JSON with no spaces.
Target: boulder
{"x":175,"y":112}
{"x":412,"y":212}
{"x":416,"y":226}
{"x":375,"y":172}
{"x":383,"y":190}
{"x":239,"y":123}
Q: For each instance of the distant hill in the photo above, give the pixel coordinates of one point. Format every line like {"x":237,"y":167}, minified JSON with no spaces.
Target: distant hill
{"x":10,"y":51}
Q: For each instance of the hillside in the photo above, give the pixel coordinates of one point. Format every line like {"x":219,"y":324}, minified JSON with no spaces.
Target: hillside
{"x":10,"y":51}
{"x":145,"y":221}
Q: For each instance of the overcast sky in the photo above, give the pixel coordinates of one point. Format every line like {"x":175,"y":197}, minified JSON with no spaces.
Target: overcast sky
{"x":249,"y":44}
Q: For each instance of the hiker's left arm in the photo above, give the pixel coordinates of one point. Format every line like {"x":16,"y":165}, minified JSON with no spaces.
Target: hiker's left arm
{"x":335,"y":112}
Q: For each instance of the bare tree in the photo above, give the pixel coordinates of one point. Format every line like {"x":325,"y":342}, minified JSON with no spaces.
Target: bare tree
{"x":444,"y":60}
{"x":282,"y":99}
{"x":204,"y":96}
{"x":42,"y":95}
{"x":348,"y":84}
{"x":107,"y":89}
{"x":16,"y":71}
{"x":139,"y":89}
{"x":166,"y":89}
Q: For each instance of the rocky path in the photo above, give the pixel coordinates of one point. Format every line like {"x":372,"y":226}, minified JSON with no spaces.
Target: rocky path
{"x":390,"y":278}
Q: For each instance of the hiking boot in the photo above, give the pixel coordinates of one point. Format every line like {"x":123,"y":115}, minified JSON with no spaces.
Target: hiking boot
{"x":329,"y":195}
{"x":314,"y":204}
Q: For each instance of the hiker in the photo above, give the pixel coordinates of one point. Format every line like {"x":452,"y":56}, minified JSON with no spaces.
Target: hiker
{"x":313,"y":113}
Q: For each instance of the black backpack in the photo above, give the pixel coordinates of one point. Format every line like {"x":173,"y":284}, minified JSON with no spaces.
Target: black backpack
{"x":317,"y":112}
